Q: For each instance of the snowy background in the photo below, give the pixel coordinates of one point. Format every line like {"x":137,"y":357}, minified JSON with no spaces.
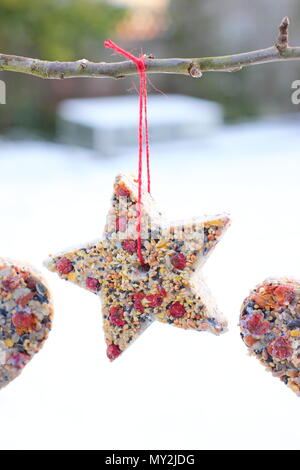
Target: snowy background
{"x":172,"y":389}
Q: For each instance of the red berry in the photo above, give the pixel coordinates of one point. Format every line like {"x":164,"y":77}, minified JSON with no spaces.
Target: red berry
{"x":92,"y":283}
{"x":122,"y":191}
{"x":178,"y":260}
{"x":137,"y":301}
{"x":23,"y":321}
{"x":177,"y":310}
{"x":11,"y":283}
{"x":285,"y":294}
{"x":154,"y":300}
{"x":29,"y":281}
{"x":19,"y":360}
{"x":162,"y":291}
{"x":121,"y":224}
{"x":64,"y":266}
{"x":116,"y":316}
{"x":130,"y":246}
{"x":113,"y":351}
{"x":25,"y":299}
{"x":280,"y":348}
{"x":250,"y":340}
{"x":256,"y":324}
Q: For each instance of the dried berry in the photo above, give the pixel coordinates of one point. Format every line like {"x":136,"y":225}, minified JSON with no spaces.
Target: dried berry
{"x":122,"y":191}
{"x":93,"y":284}
{"x":23,"y":321}
{"x":137,"y":301}
{"x":64,"y":266}
{"x":154,"y":300}
{"x":178,"y":260}
{"x":116,"y":316}
{"x":130,"y":246}
{"x":113,"y":351}
{"x":280,"y":348}
{"x":285,"y":294}
{"x":177,"y":310}
{"x":256,"y":324}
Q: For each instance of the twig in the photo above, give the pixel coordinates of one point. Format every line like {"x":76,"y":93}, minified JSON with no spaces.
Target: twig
{"x":281,"y":51}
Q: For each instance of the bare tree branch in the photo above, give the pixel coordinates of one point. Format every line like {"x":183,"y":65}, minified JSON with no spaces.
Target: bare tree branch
{"x":281,"y":51}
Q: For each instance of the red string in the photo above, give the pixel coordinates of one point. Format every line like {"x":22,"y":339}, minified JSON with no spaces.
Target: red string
{"x":143,"y":119}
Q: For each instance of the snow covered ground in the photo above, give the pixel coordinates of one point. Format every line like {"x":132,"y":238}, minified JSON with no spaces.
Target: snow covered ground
{"x":172,"y":389}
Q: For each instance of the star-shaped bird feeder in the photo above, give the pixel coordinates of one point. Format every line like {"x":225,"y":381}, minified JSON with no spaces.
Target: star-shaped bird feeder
{"x":167,"y":286}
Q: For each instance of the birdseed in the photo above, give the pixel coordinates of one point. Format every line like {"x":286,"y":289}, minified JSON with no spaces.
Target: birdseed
{"x":167,"y":287}
{"x":270,"y":328}
{"x":25,"y":317}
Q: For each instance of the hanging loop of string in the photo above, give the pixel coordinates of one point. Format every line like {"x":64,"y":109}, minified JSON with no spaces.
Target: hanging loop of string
{"x":143,"y":130}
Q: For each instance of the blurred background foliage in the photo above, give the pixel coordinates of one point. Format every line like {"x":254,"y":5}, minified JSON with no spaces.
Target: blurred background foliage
{"x":51,"y":30}
{"x":210,"y":28}
{"x":72,"y":29}
{"x":56,"y":29}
